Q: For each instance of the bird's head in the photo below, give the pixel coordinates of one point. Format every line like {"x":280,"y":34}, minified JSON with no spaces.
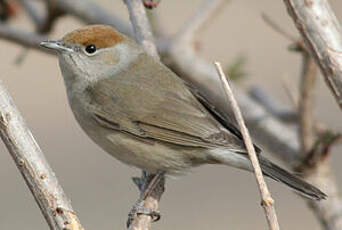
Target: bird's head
{"x":93,"y":52}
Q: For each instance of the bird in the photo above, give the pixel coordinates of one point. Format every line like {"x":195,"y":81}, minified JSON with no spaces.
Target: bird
{"x":139,"y":111}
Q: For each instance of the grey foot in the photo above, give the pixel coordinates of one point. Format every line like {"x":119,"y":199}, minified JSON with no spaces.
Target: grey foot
{"x":139,"y":209}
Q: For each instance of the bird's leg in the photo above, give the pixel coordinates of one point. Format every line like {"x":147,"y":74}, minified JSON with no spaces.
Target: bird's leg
{"x":151,"y":185}
{"x":147,"y":184}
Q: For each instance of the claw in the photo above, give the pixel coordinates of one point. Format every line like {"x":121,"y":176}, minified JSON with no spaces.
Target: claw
{"x":140,"y":209}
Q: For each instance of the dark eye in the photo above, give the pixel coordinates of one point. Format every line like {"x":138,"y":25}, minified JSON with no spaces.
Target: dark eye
{"x":90,"y":49}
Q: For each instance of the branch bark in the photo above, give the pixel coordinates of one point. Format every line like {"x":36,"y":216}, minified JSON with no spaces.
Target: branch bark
{"x":306,"y":103}
{"x":322,"y":34}
{"x":92,"y":13}
{"x":141,"y":27}
{"x":34,"y":168}
{"x":266,"y":198}
{"x":27,"y":39}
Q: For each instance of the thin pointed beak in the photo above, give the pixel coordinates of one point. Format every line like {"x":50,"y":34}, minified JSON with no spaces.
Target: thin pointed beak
{"x":55,"y":45}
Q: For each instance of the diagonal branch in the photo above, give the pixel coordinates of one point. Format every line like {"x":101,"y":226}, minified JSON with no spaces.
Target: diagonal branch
{"x":141,"y":27}
{"x":24,"y":38}
{"x":92,"y":13}
{"x":34,"y":168}
{"x":267,"y":201}
{"x":322,"y":34}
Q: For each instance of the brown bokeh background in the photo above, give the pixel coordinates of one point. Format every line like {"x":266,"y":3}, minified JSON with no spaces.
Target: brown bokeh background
{"x":100,"y":187}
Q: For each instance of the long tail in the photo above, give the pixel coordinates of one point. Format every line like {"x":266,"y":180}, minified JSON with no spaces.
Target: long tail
{"x":276,"y":173}
{"x":240,"y":160}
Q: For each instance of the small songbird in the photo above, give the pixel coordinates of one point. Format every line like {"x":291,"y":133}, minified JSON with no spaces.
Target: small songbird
{"x":143,"y":114}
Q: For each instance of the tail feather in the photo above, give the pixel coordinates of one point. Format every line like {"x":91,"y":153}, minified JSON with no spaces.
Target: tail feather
{"x":276,"y":173}
{"x":240,"y":160}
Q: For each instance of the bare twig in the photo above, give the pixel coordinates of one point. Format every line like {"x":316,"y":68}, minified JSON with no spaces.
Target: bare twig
{"x":322,"y":34}
{"x":141,"y":26}
{"x":306,"y":103}
{"x":144,"y":36}
{"x":34,"y":168}
{"x":267,"y":201}
{"x":92,"y":13}
{"x":24,"y":38}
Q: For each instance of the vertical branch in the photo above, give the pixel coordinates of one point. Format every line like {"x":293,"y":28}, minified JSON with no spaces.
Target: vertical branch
{"x":306,"y":103}
{"x":267,"y":201}
{"x":34,"y":168}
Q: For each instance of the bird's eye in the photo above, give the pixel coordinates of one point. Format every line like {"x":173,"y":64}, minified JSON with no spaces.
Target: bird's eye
{"x":90,"y":49}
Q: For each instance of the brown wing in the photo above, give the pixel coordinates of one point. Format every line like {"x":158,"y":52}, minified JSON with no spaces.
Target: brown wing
{"x":157,"y":106}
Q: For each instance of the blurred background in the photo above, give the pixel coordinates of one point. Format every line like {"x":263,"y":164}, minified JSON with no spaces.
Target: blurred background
{"x":100,"y":187}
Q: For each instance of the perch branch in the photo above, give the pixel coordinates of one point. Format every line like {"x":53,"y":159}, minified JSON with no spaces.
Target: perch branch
{"x":144,"y":36}
{"x":322,"y":34}
{"x":267,"y":201}
{"x":34,"y":168}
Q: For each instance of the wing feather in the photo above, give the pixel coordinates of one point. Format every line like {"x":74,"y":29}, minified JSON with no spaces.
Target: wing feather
{"x":157,"y":106}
